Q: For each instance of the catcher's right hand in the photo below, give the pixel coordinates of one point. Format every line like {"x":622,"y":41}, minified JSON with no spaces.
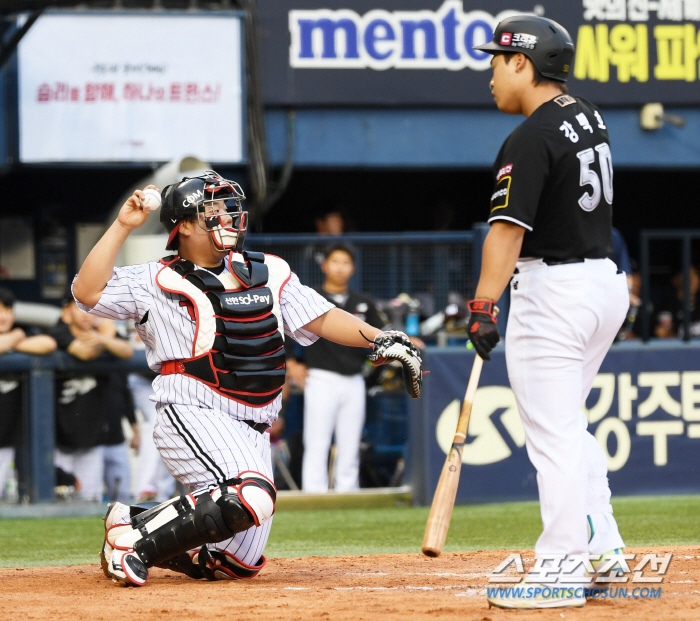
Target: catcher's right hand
{"x":394,"y":345}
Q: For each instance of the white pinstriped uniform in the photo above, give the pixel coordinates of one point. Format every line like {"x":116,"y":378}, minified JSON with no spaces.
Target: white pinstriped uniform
{"x":200,"y":433}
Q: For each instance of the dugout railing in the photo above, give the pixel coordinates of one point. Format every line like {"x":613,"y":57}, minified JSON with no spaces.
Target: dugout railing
{"x":386,"y":264}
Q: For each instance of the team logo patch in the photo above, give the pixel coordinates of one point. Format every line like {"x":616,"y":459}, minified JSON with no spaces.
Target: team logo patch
{"x":506,"y":38}
{"x":506,"y":170}
{"x":499,"y":199}
{"x":525,"y":41}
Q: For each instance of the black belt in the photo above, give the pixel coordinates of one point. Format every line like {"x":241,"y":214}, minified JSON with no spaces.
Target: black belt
{"x":548,"y":261}
{"x":259,"y":427}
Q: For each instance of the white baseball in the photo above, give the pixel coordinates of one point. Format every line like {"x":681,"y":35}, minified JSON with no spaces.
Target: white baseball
{"x":151,"y":201}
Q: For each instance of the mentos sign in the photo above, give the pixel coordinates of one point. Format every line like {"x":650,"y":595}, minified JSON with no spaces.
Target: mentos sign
{"x":381,"y":39}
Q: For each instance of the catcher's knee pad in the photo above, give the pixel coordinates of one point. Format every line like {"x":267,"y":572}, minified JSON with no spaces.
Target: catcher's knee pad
{"x":219,"y":565}
{"x":188,"y":522}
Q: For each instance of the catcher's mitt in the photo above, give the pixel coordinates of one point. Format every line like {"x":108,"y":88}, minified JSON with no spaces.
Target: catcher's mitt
{"x":394,"y":345}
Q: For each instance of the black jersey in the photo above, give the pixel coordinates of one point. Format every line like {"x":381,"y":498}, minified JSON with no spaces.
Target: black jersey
{"x":10,"y":409}
{"x":324,"y":354}
{"x":554,"y":178}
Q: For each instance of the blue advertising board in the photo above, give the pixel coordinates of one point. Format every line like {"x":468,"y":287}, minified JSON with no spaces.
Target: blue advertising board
{"x":644,"y":410}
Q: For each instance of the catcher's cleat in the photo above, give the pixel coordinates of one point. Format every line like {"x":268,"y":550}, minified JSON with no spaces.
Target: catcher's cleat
{"x":115,"y":511}
{"x":127,"y":568}
{"x":531,"y":596}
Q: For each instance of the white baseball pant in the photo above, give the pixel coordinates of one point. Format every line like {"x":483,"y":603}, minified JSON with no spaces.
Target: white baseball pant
{"x":332,"y":402}
{"x":562,"y":321}
{"x":117,"y":472}
{"x":86,"y":465}
{"x":152,"y":475}
{"x":202,"y":448}
{"x":7,"y":456}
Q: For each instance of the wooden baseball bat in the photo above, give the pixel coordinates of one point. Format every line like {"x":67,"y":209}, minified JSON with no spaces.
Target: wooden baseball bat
{"x":446,"y":491}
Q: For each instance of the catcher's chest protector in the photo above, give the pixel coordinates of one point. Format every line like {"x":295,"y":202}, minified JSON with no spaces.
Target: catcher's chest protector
{"x":238,"y":348}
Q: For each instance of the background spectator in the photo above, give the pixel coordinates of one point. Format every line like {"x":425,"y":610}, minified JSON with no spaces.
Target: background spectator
{"x":669,"y":319}
{"x":153,"y":481}
{"x":334,"y":393}
{"x":13,"y":339}
{"x":81,"y":412}
{"x":115,"y":453}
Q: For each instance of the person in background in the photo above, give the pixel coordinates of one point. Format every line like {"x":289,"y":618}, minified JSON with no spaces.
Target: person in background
{"x":620,"y":257}
{"x":81,"y":415}
{"x":669,"y":319}
{"x":330,"y":221}
{"x":115,"y":453}
{"x":13,"y":339}
{"x":154,"y":482}
{"x":334,"y":388}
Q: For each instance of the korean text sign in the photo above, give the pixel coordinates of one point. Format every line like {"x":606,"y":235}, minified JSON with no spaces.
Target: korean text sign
{"x":125,"y":87}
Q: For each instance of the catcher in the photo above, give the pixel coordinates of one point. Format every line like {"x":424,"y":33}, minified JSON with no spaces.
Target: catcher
{"x":213,"y":318}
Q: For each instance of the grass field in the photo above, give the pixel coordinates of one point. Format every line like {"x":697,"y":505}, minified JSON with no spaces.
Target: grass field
{"x":661,"y":520}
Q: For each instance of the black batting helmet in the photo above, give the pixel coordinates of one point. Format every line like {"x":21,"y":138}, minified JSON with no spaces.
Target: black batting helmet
{"x":197,"y":195}
{"x":547,"y":44}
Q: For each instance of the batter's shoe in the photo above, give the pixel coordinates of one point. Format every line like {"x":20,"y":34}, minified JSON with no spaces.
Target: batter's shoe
{"x":115,"y":511}
{"x":127,"y":568}
{"x":612,"y":571}
{"x":531,"y":595}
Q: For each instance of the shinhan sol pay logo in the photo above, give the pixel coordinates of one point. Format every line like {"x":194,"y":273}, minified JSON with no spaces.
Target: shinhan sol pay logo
{"x":379,"y":39}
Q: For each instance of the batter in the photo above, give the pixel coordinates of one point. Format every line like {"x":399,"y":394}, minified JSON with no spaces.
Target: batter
{"x":213,"y":319}
{"x":551,"y":220}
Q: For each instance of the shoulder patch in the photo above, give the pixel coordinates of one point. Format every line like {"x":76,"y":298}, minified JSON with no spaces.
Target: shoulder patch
{"x":506,"y":170}
{"x":564,"y":100}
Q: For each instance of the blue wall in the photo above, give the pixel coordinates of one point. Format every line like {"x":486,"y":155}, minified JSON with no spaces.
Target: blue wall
{"x":644,"y":409}
{"x":458,"y":138}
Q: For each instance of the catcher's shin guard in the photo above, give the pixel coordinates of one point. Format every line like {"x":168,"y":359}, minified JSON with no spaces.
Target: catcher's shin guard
{"x":166,"y":531}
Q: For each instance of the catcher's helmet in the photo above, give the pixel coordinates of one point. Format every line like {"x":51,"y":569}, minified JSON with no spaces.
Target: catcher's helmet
{"x":547,"y":44}
{"x":216,"y":202}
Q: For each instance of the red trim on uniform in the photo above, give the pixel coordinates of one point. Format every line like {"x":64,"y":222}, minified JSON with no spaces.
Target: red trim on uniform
{"x":173,"y":233}
{"x":240,"y":282}
{"x":196,"y":310}
{"x":245,"y":565}
{"x":250,"y":405}
{"x":246,"y":319}
{"x":258,"y":474}
{"x":168,"y":263}
{"x":284,"y":284}
{"x":247,"y":338}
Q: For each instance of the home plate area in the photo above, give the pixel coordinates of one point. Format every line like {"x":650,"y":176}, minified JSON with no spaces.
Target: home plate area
{"x":388,"y":586}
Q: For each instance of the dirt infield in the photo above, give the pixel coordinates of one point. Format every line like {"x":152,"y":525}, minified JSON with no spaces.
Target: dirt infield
{"x":390,"y":586}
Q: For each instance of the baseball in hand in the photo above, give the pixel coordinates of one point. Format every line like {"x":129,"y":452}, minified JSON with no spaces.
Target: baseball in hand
{"x":151,"y":201}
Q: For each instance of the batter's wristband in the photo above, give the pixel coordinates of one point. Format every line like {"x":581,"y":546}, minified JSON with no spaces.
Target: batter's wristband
{"x":484,"y":307}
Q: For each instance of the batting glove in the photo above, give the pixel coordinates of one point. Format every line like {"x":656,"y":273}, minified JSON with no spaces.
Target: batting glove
{"x":482,"y":329}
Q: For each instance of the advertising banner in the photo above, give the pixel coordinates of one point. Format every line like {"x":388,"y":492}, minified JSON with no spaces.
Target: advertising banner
{"x":420,"y":52}
{"x":126,"y":87}
{"x":644,"y":410}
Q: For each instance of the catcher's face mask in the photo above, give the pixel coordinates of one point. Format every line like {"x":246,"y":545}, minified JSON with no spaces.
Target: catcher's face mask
{"x":221,"y":215}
